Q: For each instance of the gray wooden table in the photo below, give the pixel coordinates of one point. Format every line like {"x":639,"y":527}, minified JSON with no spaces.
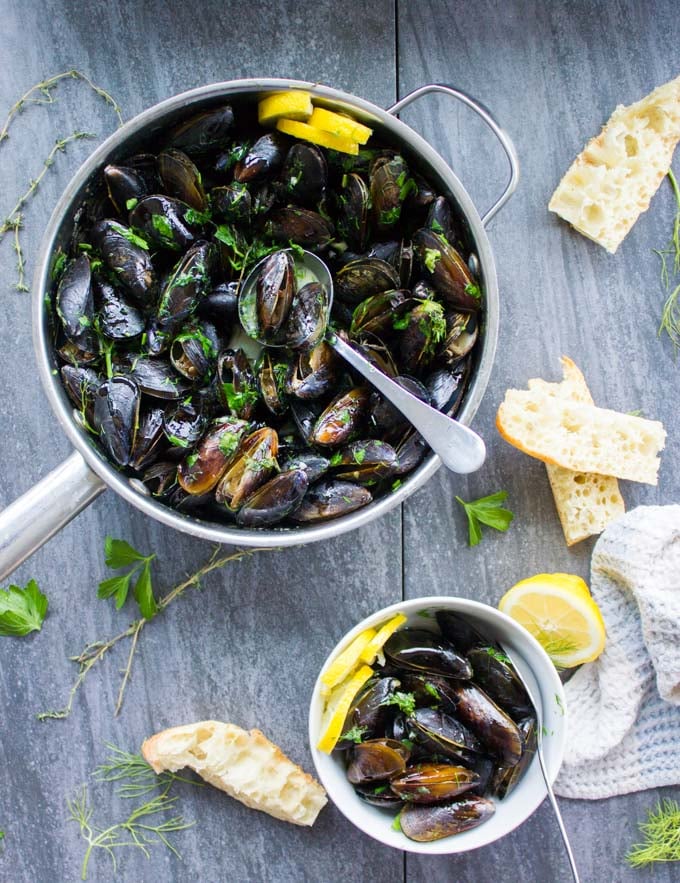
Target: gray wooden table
{"x":247,"y":649}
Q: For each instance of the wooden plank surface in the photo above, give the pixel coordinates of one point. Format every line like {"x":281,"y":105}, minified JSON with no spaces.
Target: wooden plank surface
{"x":248,"y":648}
{"x":551,"y":73}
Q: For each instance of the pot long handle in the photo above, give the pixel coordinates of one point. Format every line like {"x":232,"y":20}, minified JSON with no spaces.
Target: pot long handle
{"x":487,"y":116}
{"x":42,"y":511}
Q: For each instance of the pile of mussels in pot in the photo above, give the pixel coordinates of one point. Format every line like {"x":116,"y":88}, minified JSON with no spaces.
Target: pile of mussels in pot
{"x":444,"y":726}
{"x":161,"y":374}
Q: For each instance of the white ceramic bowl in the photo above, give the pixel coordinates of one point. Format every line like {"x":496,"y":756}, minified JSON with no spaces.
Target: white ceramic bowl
{"x":535,"y":667}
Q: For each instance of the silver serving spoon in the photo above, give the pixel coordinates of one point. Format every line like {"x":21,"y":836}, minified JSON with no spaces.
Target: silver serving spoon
{"x":541,"y":760}
{"x":458,"y":447}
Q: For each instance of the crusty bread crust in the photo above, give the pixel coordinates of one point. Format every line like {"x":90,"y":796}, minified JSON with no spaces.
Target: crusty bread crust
{"x":246,"y":765}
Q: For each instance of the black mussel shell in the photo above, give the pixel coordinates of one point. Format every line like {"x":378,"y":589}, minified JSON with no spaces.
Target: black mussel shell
{"x":342,"y":418}
{"x":433,"y":782}
{"x":221,"y":306}
{"x":163,"y":220}
{"x":462,"y":330}
{"x":304,"y":175}
{"x":497,"y":677}
{"x":312,"y":464}
{"x":376,"y":760}
{"x":251,"y":466}
{"x":384,"y":416}
{"x":354,"y":201}
{"x":193,"y":352}
{"x":125,"y":186}
{"x":459,"y":631}
{"x":305,"y":415}
{"x":390,"y":185}
{"x":331,"y":499}
{"x":271,"y":375}
{"x":447,"y":270}
{"x":447,"y":386}
{"x":378,"y":313}
{"x":263,"y":160}
{"x":425,"y":823}
{"x":442,"y":734}
{"x":116,"y":414}
{"x":275,"y":289}
{"x":148,"y":438}
{"x":410,"y":451}
{"x":493,"y":727}
{"x":81,"y":384}
{"x":183,"y":425}
{"x":366,"y":462}
{"x":119,"y":318}
{"x":233,"y":202}
{"x":204,"y":132}
{"x":379,"y":794}
{"x":505,"y":778}
{"x":360,"y":279}
{"x":275,"y":500}
{"x":424,"y":328}
{"x":201,"y":470}
{"x":369,"y":711}
{"x":156,"y":378}
{"x":181,"y":178}
{"x":308,"y":317}
{"x":302,"y":226}
{"x":426,"y":651}
{"x":440,"y":219}
{"x":314,"y":372}
{"x":75,"y":304}
{"x":236,"y":383}
{"x":129,"y":261}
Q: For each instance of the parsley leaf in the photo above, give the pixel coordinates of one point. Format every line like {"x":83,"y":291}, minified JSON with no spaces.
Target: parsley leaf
{"x":120,"y":553}
{"x":496,"y":654}
{"x":405,"y":702}
{"x":488,"y":511}
{"x":22,"y":610}
{"x":356,"y":734}
{"x":432,"y":255}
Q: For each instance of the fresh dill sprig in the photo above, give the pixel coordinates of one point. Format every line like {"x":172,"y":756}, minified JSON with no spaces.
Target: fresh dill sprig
{"x":670,"y":314}
{"x":662,"y":836}
{"x":121,"y":765}
{"x":142,"y":828}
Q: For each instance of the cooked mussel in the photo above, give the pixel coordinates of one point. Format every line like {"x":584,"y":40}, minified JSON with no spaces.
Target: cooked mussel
{"x":342,"y":418}
{"x":446,"y":386}
{"x":236,"y":384}
{"x":311,"y":463}
{"x":384,"y":416}
{"x":75,"y":303}
{"x":119,"y":318}
{"x":390,"y":185}
{"x":262,"y":160}
{"x":201,"y":470}
{"x":163,"y":220}
{"x":495,"y":674}
{"x":461,"y":336}
{"x":308,"y":317}
{"x":183,"y":424}
{"x":181,"y":178}
{"x":426,"y":823}
{"x":220,"y":305}
{"x":116,"y":414}
{"x":368,"y":711}
{"x":304,"y":174}
{"x":442,"y":734}
{"x":302,"y":226}
{"x":193,"y":352}
{"x":128,"y":260}
{"x":203,"y":132}
{"x":233,"y":202}
{"x":366,"y":462}
{"x":448,"y":271}
{"x":275,"y":500}
{"x":410,"y":451}
{"x":461,"y":633}
{"x":379,"y":313}
{"x":505,"y":778}
{"x":422,"y":329}
{"x":156,"y":377}
{"x":81,"y":384}
{"x":376,"y":760}
{"x":125,"y":186}
{"x":148,"y":439}
{"x":488,"y":722}
{"x":275,"y":289}
{"x":363,"y":277}
{"x":354,"y":201}
{"x":433,"y":782}
{"x":314,"y":372}
{"x":252,"y":465}
{"x":271,"y":375}
{"x":379,"y":794}
{"x":423,"y":650}
{"x":331,"y":499}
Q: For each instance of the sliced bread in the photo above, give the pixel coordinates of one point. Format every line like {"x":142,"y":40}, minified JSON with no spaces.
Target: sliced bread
{"x":244,"y":764}
{"x":613,"y":180}
{"x":585,"y":502}
{"x":581,"y":437}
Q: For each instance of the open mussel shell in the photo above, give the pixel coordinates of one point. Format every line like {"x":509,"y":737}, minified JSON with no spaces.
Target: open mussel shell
{"x":119,"y":318}
{"x":251,"y":466}
{"x":181,"y":178}
{"x":505,"y":778}
{"x":433,"y":782}
{"x":163,"y":220}
{"x":274,"y":288}
{"x":116,"y":414}
{"x":497,"y":677}
{"x":82,"y":350}
{"x":271,"y":376}
{"x":424,"y":328}
{"x":377,"y":314}
{"x":459,"y":631}
{"x":423,"y":650}
{"x":81,"y":384}
{"x":379,"y":794}
{"x":263,"y":160}
{"x":203,"y":132}
{"x":462,"y":330}
{"x":236,"y":384}
{"x":342,"y":418}
{"x":161,"y":477}
{"x":200,"y":471}
{"x":354,"y":201}
{"x":390,"y":183}
{"x":193,"y":353}
{"x":75,"y":303}
{"x":233,"y":202}
{"x":302,"y":226}
{"x":188,"y":283}
{"x":156,"y":377}
{"x":304,"y":175}
{"x":275,"y":500}
{"x":426,"y":823}
{"x":331,"y":499}
{"x":125,"y":186}
{"x":314,"y":372}
{"x":308,"y":317}
{"x":492,"y":726}
{"x":448,"y":271}
{"x":130,"y":262}
{"x":366,"y":462}
{"x":368,"y":712}
{"x":183,"y":425}
{"x":305,"y":414}
{"x":149,"y":438}
{"x":428,"y":689}
{"x":440,"y":218}
{"x":442,"y":734}
{"x":376,"y":760}
{"x":364,"y":277}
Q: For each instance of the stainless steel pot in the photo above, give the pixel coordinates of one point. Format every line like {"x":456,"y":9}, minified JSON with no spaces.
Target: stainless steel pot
{"x":35,"y":517}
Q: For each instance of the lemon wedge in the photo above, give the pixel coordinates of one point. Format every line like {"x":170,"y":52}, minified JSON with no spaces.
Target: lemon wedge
{"x":375,"y":645}
{"x":339,"y":124}
{"x":317,"y":136}
{"x":559,"y":611}
{"x":295,"y":105}
{"x":339,"y":703}
{"x":346,"y":661}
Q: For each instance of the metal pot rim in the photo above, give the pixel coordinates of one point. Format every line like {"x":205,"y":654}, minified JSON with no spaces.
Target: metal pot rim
{"x":215,"y":532}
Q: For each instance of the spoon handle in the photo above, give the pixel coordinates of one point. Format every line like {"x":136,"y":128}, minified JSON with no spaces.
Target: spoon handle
{"x":459,"y":448}
{"x":558,"y":814}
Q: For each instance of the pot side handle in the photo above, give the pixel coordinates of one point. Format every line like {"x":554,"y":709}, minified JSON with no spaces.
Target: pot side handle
{"x":42,"y":511}
{"x":486,"y":115}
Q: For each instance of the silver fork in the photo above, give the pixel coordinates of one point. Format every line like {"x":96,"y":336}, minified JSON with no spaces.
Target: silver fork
{"x":541,"y":760}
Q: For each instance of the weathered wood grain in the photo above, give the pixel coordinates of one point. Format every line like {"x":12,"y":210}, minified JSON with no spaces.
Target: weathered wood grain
{"x":551,"y":73}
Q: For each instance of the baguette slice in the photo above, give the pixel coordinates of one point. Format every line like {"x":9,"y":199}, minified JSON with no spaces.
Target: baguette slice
{"x":244,"y":764}
{"x":581,"y":437}
{"x":613,"y":180}
{"x":585,"y":502}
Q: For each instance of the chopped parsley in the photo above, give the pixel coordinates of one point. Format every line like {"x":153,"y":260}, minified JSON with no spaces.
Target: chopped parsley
{"x":359,"y":456}
{"x":192,"y":460}
{"x":178,"y":442}
{"x":356,"y":734}
{"x":473,"y":290}
{"x":131,"y":203}
{"x":228,"y":443}
{"x":191,"y":216}
{"x":131,"y":236}
{"x":162,"y":226}
{"x":239,"y":399}
{"x":405,"y":702}
{"x":432,"y":255}
{"x":433,"y":691}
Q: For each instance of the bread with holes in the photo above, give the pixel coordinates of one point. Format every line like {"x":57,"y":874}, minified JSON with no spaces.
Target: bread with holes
{"x":581,"y":437}
{"x":585,"y":502}
{"x":244,"y":764}
{"x":614,"y":179}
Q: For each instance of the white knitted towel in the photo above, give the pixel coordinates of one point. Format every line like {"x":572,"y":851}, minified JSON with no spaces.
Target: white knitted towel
{"x":623,"y":731}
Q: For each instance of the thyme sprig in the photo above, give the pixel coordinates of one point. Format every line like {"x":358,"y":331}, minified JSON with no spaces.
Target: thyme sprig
{"x":670,"y":314}
{"x":93,"y":653}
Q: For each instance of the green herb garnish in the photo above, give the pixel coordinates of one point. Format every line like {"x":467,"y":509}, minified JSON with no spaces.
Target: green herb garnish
{"x":432,"y":255}
{"x":237,"y":400}
{"x":356,"y":734}
{"x":162,"y":226}
{"x":359,"y":456}
{"x":131,"y":203}
{"x":22,"y":610}
{"x":661,"y":833}
{"x":488,"y":511}
{"x":192,"y":459}
{"x":191,"y":216}
{"x":400,"y":323}
{"x":433,"y":691}
{"x":473,"y":290}
{"x":228,"y":443}
{"x":133,"y":237}
{"x":120,"y":553}
{"x":58,"y":266}
{"x":396,"y":824}
{"x":177,"y":442}
{"x":496,"y":654}
{"x":405,"y":702}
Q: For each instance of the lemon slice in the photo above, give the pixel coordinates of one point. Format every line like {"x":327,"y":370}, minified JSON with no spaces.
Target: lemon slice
{"x":317,"y":136}
{"x":347,"y":661}
{"x":294,"y":105}
{"x":376,"y":643}
{"x":337,"y":707}
{"x":559,"y":611}
{"x":339,"y":124}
